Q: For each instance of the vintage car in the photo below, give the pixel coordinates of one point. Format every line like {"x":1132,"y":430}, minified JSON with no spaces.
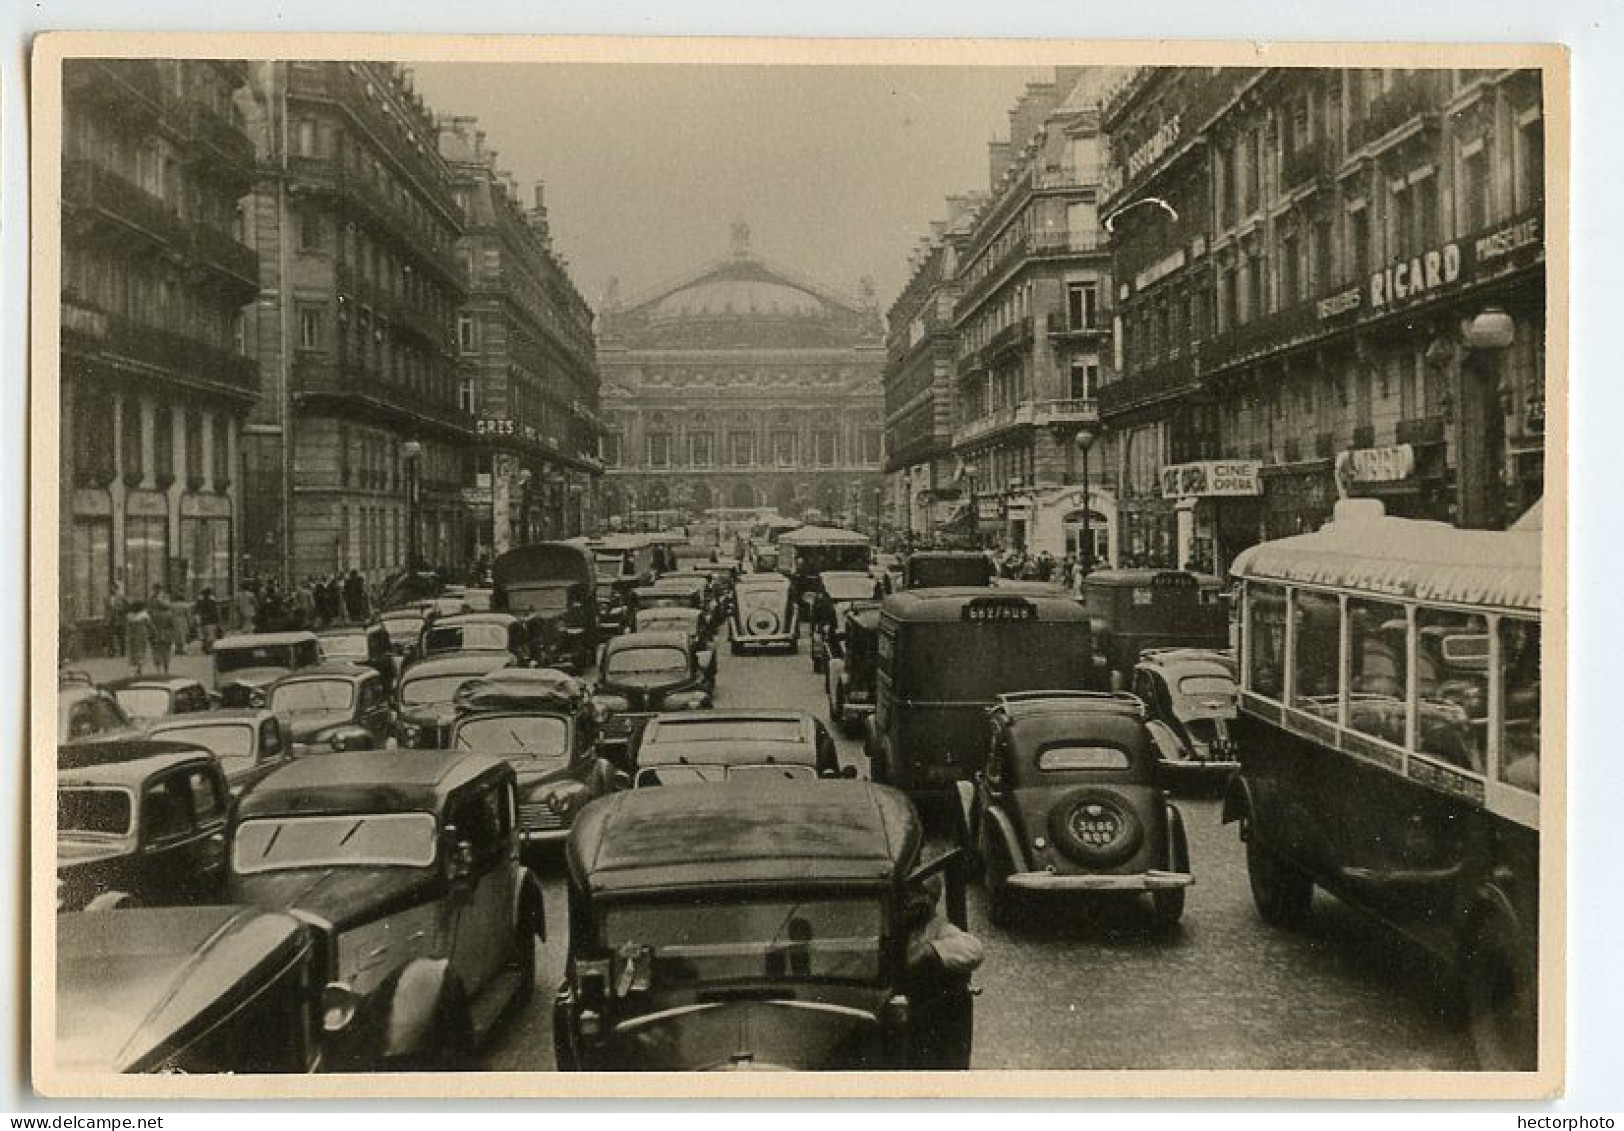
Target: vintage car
{"x":765,"y":614}
{"x":1130,"y":610}
{"x":334,"y":707}
{"x":475,"y":632}
{"x":677,"y":592}
{"x":690,"y":746}
{"x":245,"y":665}
{"x":849,"y":680}
{"x":479,"y":600}
{"x":686,"y":621}
{"x":147,"y":698}
{"x":250,"y":742}
{"x":1191,"y":698}
{"x":368,"y":644}
{"x":543,"y":723}
{"x":641,"y":674}
{"x":755,"y":926}
{"x":613,"y":608}
{"x":405,"y":629}
{"x":551,"y":588}
{"x":828,"y":596}
{"x":934,"y":569}
{"x":1069,"y":802}
{"x":425,"y":698}
{"x":407,"y":865}
{"x":187,"y":990}
{"x":87,"y":713}
{"x":139,"y":822}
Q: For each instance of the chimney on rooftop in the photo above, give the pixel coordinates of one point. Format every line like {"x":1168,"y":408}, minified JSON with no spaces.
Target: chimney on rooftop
{"x":541,"y":196}
{"x":999,"y":154}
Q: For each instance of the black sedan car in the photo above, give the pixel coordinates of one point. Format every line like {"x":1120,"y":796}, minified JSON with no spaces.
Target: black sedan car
{"x":641,"y":674}
{"x":334,"y":707}
{"x":1070,"y":802}
{"x":425,"y":698}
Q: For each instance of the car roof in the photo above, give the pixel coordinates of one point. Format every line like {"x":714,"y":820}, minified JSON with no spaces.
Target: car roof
{"x":1187,"y":661}
{"x":367,"y":781}
{"x":131,"y":682}
{"x":740,"y":716}
{"x":130,"y":982}
{"x":1136,"y":577}
{"x":126,"y":762}
{"x":947,"y":602}
{"x":457,"y":663}
{"x":349,"y":630}
{"x":403,"y":612}
{"x":263,"y":639}
{"x":1042,"y":704}
{"x":765,"y":578}
{"x":213,"y":715}
{"x":647,"y":639}
{"x":329,"y":669}
{"x":456,"y":619}
{"x":740,"y":833}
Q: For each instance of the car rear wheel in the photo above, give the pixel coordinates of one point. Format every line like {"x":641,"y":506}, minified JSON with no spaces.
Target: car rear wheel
{"x":995,"y":872}
{"x":1501,"y":992}
{"x":1282,"y":893}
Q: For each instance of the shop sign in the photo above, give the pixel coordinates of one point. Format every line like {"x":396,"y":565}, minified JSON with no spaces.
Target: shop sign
{"x":1154,"y":146}
{"x":476,"y":496}
{"x":1376,"y":465}
{"x":1415,"y":277}
{"x":988,"y":508}
{"x":1513,"y":237}
{"x":1212,"y":479}
{"x":1333,"y":305}
{"x":1019,"y":507}
{"x":502,"y":428}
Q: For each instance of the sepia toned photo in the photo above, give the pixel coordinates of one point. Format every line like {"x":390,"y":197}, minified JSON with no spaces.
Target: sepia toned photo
{"x":559,"y":565}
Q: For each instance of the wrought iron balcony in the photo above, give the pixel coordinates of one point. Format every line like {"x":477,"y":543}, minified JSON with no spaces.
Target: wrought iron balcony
{"x":227,"y":146}
{"x":1059,"y":325}
{"x":1044,"y":414}
{"x":1411,"y":96}
{"x":319,"y":376}
{"x":221,"y":252}
{"x":375,"y":205}
{"x":173,"y":357}
{"x":103,"y":196}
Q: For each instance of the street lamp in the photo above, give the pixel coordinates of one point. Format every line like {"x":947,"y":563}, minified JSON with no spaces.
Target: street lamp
{"x":411,"y":452}
{"x":968,"y":472}
{"x":878,"y":493}
{"x":1085,"y":440}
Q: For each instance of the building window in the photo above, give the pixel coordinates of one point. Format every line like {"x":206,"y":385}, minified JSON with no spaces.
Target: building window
{"x":1476,"y":205}
{"x":659,"y":449}
{"x":304,"y":137}
{"x":610,"y":443}
{"x":1290,"y":270}
{"x":1358,"y":257}
{"x":700,"y":450}
{"x":1085,"y":379}
{"x":194,"y":449}
{"x":1528,"y":169}
{"x":310,"y":336}
{"x":309,"y":230}
{"x":467,"y":335}
{"x":743,"y":445}
{"x":1083,"y":305}
{"x":465,"y":396}
{"x":824,"y":448}
{"x":872,"y":445}
{"x":784,"y":449}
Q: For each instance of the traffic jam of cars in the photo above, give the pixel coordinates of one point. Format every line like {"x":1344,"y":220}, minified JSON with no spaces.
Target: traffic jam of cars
{"x":334,"y":858}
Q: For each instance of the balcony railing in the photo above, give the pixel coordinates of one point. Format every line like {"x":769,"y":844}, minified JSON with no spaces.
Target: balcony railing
{"x":322,"y":376}
{"x":221,"y":251}
{"x":92,"y":188}
{"x":1067,"y":242}
{"x":1410,"y":97}
{"x":180,"y":358}
{"x":1424,"y":430}
{"x":376,"y":205}
{"x":1143,"y":386}
{"x":129,"y":85}
{"x":1311,"y":162}
{"x":1043,"y":414}
{"x":1010,"y":339}
{"x":222,"y":137}
{"x":1263,"y":334}
{"x":1058,"y":324}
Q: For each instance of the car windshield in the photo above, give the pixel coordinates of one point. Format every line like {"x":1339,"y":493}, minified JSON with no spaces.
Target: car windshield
{"x":405,"y":840}
{"x":841,"y":587}
{"x":646,"y":660}
{"x":351,"y":646}
{"x":313,"y":695}
{"x":1199,"y":686}
{"x":455,"y":637}
{"x":667,"y":945}
{"x":256,"y":656}
{"x":433,"y":688}
{"x":689,"y":773}
{"x":1057,"y":759}
{"x":93,"y":811}
{"x":226,"y":741}
{"x":539,"y":736}
{"x":143,"y":702}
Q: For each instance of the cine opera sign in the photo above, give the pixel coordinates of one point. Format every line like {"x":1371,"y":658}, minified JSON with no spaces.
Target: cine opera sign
{"x":1211,"y":479}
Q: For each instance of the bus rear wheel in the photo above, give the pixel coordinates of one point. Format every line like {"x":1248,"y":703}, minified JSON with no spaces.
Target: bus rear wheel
{"x":1282,"y":893}
{"x":1501,"y":992}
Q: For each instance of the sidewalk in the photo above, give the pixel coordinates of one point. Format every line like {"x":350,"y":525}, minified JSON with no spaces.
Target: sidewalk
{"x":194,"y":664}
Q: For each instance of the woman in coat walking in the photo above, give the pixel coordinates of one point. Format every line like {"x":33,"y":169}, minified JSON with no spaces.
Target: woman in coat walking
{"x":138,"y":635}
{"x":162,"y":616}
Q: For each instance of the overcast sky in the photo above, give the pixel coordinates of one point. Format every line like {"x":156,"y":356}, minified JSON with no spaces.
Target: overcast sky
{"x":838,"y":170}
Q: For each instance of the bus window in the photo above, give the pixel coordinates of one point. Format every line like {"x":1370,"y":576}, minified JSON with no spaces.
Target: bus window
{"x":1451,"y":679}
{"x":1266,"y":632}
{"x":1318,"y":619}
{"x":1519,"y":698}
{"x":1378,"y":646}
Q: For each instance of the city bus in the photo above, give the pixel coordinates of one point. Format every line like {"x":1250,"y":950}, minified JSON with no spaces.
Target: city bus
{"x":1389,"y":744}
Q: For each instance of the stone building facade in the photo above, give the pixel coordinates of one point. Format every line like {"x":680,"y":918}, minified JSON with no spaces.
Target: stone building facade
{"x":527,"y":363}
{"x":741,"y":386}
{"x":155,"y":385}
{"x":1345,"y":294}
{"x":361,"y":452}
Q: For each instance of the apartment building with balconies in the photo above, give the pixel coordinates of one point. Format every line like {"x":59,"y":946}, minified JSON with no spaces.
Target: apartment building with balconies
{"x":362,"y":456}
{"x":1350,"y":301}
{"x":527,"y":359}
{"x":155,"y":384}
{"x":1032,"y":328}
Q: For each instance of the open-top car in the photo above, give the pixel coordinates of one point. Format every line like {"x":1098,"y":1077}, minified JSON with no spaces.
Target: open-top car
{"x":695,"y":746}
{"x":849,"y":680}
{"x":139,"y":823}
{"x":406,"y":863}
{"x":1192,"y":698}
{"x":147,"y":698}
{"x":765,"y":614}
{"x":245,"y":665}
{"x":641,"y":674}
{"x":193,"y":990}
{"x":425,"y":699}
{"x":368,"y":644}
{"x":250,"y":742}
{"x":544,"y":724}
{"x":828,"y":597}
{"x":730,"y":926}
{"x":334,"y":707}
{"x":1069,"y":801}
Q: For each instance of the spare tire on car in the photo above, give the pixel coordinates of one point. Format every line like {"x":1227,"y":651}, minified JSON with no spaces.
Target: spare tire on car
{"x":1096,"y":826}
{"x":761,"y":622}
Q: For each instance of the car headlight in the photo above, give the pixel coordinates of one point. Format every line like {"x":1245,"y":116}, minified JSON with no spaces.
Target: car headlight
{"x":562,"y":798}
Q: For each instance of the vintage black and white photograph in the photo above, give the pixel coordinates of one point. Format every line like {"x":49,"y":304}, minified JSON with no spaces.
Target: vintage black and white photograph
{"x":831,"y":563}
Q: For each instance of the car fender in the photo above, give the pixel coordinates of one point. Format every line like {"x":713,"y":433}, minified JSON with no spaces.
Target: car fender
{"x":1178,"y":841}
{"x":414,"y":998}
{"x":528,"y":903}
{"x":1237,"y":800}
{"x":836,"y":675}
{"x":996,"y":818}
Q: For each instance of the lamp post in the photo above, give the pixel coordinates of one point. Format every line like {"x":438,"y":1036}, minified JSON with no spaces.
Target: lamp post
{"x":412,"y":452}
{"x":878,"y":495}
{"x":969,"y":473}
{"x":1084,"y":441}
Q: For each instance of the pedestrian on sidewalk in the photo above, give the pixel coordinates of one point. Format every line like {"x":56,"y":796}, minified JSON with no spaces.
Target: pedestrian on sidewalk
{"x":207,"y":611}
{"x":247,"y":609}
{"x":117,"y":610}
{"x":161,"y":617}
{"x":355,"y":597}
{"x":138,"y":635}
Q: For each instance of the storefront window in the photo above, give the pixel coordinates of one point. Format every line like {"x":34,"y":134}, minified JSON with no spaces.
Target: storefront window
{"x":206,"y":543}
{"x":1318,"y":620}
{"x":1378,"y":647}
{"x":146,"y":555}
{"x":90,"y":568}
{"x":1520,"y":703}
{"x":1266,"y":640}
